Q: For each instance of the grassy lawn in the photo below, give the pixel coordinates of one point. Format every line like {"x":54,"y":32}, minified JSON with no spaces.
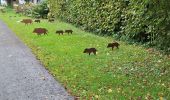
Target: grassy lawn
{"x":125,"y":73}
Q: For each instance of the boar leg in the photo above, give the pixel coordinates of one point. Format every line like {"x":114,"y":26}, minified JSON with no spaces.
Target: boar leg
{"x":117,"y":47}
{"x":94,"y":52}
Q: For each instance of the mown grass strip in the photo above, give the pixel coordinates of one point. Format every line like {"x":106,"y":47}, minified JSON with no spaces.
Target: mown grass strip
{"x":128,"y":72}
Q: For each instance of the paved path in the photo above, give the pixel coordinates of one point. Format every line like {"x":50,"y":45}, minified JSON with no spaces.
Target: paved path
{"x":22,"y":77}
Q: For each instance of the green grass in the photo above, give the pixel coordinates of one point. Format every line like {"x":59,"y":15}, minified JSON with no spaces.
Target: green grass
{"x":121,"y":74}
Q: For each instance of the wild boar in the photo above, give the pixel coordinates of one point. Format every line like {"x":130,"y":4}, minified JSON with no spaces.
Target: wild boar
{"x":60,"y":32}
{"x":90,"y":50}
{"x":27,"y":21}
{"x":40,"y":31}
{"x":69,"y":31}
{"x":112,"y":45}
{"x":50,"y":20}
{"x":37,"y":21}
{"x":3,"y":11}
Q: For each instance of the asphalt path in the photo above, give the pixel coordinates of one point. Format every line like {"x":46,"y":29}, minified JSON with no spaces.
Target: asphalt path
{"x":22,"y":76}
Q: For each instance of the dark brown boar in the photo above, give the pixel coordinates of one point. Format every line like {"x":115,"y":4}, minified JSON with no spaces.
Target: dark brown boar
{"x":27,"y":21}
{"x":112,"y":45}
{"x":37,"y":21}
{"x":90,"y":50}
{"x":60,"y":32}
{"x":40,"y":31}
{"x":50,"y":20}
{"x":3,"y":11}
{"x":19,"y":12}
{"x":69,"y":31}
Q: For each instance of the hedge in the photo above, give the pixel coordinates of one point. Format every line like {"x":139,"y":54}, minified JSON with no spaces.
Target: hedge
{"x":137,"y":20}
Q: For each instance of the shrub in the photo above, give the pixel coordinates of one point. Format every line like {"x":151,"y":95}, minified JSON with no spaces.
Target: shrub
{"x":37,"y":11}
{"x":40,"y":10}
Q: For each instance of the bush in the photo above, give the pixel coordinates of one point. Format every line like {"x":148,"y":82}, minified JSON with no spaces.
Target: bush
{"x":37,"y":11}
{"x":138,"y":20}
{"x":40,"y":10}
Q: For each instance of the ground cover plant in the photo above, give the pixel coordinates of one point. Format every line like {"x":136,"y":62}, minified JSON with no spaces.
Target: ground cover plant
{"x":130,"y":72}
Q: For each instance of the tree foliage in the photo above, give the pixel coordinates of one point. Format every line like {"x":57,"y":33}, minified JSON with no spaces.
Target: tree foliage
{"x":139,"y":20}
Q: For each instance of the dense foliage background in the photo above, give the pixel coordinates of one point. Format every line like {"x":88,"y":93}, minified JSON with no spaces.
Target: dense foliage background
{"x":39,"y":10}
{"x":145,"y":21}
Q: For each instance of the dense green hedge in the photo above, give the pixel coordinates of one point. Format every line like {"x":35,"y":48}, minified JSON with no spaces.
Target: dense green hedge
{"x":36,"y":11}
{"x":137,"y":20}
